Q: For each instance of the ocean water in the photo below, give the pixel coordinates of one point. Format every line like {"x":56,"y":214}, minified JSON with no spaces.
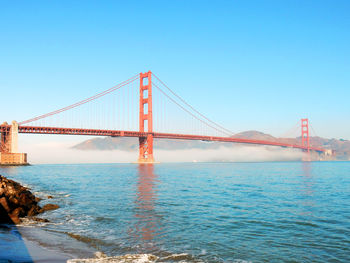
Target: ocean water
{"x":196,"y":212}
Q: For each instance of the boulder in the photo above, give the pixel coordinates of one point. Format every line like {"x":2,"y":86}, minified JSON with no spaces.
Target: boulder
{"x":33,"y":211}
{"x":16,"y":201}
{"x":14,"y":220}
{"x":48,"y":207}
{"x":18,"y":212}
{"x":5,"y":205}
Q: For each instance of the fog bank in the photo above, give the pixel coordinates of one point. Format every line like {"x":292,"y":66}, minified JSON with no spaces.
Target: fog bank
{"x":60,"y":152}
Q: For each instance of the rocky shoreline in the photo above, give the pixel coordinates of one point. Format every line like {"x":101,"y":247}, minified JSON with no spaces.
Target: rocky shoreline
{"x":17,"y":202}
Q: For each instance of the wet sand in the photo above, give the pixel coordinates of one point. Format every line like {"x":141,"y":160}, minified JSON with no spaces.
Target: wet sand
{"x":40,"y":254}
{"x":31,"y":244}
{"x":16,"y":248}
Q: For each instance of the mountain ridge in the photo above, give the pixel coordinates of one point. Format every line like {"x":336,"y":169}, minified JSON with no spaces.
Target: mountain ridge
{"x":341,"y":146}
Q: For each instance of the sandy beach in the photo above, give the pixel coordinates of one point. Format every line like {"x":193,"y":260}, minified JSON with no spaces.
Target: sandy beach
{"x":16,"y":248}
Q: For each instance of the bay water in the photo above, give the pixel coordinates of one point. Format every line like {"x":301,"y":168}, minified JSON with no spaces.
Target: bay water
{"x":196,"y":212}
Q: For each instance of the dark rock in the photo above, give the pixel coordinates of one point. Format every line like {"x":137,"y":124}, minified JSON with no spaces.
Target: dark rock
{"x":19,"y":212}
{"x":13,"y":200}
{"x":25,"y":200}
{"x":14,"y":219}
{"x":4,"y":204}
{"x":38,"y":219}
{"x":48,"y":207}
{"x":38,"y":199}
{"x":33,"y":211}
{"x":17,"y":201}
{"x":49,"y":197}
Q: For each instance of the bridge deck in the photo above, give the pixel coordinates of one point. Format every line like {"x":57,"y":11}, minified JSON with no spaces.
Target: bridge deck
{"x":118,"y":133}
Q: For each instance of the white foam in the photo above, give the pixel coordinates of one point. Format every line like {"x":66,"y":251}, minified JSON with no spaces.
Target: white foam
{"x":28,"y":222}
{"x":128,"y":258}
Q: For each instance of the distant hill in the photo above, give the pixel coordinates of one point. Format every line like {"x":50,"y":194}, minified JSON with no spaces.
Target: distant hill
{"x":255,"y":135}
{"x":342,"y":147}
{"x":125,"y":143}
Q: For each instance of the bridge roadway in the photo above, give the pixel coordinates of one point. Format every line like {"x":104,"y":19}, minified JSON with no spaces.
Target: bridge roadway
{"x":117,"y":133}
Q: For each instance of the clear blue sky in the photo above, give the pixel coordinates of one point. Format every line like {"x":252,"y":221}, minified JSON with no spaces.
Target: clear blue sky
{"x":249,"y":65}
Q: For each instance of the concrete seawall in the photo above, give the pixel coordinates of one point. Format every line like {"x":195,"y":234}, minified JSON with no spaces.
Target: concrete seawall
{"x":13,"y":159}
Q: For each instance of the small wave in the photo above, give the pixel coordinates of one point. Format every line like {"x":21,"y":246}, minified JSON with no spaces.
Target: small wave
{"x":128,"y":258}
{"x":41,"y":194}
{"x":182,"y":257}
{"x":104,"y":219}
{"x":29,"y":222}
{"x":94,"y":242}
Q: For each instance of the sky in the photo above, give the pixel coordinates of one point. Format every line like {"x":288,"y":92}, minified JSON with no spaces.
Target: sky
{"x":248,"y":65}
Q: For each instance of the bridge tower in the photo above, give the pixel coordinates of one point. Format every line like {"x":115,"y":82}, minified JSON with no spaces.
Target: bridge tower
{"x":305,"y":139}
{"x":9,"y":138}
{"x":9,"y":145}
{"x":146,"y":119}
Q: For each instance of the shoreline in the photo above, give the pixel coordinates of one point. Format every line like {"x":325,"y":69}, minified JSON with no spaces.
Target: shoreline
{"x":22,"y":238}
{"x":43,"y":254}
{"x":28,"y":240}
{"x":15,"y":247}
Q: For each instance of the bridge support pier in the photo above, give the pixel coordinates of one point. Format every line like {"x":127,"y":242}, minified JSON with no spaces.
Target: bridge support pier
{"x":146,"y":149}
{"x":9,"y":145}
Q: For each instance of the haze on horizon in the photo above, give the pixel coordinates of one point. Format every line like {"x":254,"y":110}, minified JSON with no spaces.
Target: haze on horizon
{"x":55,"y":152}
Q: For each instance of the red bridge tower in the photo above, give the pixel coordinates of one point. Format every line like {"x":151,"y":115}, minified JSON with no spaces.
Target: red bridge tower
{"x":146,"y":121}
{"x":305,"y":139}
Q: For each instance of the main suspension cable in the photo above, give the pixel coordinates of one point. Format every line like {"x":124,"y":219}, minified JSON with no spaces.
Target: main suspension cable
{"x":188,"y":110}
{"x":188,"y":105}
{"x":130,"y":80}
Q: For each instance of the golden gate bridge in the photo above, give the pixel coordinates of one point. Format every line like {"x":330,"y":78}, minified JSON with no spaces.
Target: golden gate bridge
{"x":143,"y":107}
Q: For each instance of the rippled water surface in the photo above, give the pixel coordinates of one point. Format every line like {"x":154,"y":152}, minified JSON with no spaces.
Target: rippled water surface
{"x":214,"y":212}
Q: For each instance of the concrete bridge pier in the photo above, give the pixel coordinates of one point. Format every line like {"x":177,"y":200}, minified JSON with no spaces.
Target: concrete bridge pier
{"x":9,"y":145}
{"x":327,"y":155}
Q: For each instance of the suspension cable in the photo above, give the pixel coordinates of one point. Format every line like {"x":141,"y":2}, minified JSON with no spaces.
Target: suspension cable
{"x":183,"y":101}
{"x":313,"y":130}
{"x":229,"y":134}
{"x":130,"y":80}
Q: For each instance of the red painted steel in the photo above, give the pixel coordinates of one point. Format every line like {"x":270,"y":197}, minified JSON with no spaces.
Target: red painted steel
{"x":101,"y":94}
{"x":146,"y":142}
{"x":77,"y":131}
{"x":208,"y":122}
{"x":145,"y":133}
{"x":233,"y":140}
{"x":115,"y":133}
{"x":305,"y":139}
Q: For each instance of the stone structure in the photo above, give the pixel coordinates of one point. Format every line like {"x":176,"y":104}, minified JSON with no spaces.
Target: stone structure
{"x":9,"y":146}
{"x":16,"y":202}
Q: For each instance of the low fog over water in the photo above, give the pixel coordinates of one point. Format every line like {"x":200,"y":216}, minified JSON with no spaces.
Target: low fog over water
{"x":60,"y":151}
